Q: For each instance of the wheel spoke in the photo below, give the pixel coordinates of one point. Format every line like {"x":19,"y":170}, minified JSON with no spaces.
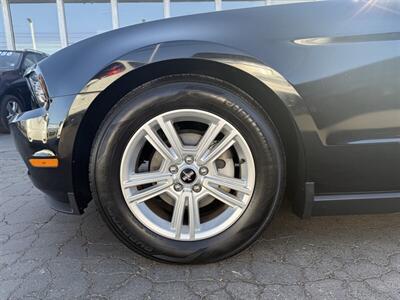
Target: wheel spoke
{"x":194,"y":216}
{"x":172,"y":136}
{"x":165,"y":149}
{"x":145,"y":178}
{"x":149,"y":193}
{"x":232,"y":183}
{"x":12,"y":108}
{"x":224,"y":197}
{"x":208,"y":138}
{"x":179,"y":211}
{"x":220,"y":148}
{"x":154,"y":139}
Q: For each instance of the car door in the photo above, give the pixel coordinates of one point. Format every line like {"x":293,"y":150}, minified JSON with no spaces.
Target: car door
{"x":351,"y":85}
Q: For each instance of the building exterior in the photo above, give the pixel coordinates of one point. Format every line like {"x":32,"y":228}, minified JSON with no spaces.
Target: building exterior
{"x":52,"y":24}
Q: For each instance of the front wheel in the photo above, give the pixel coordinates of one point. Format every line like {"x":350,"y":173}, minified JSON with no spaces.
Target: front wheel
{"x":9,"y":106}
{"x":187,"y":169}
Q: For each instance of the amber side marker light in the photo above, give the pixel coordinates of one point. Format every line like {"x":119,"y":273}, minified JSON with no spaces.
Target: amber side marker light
{"x":44,"y":162}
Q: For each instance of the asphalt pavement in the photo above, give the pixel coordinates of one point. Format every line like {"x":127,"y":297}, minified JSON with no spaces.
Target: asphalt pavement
{"x":49,"y":255}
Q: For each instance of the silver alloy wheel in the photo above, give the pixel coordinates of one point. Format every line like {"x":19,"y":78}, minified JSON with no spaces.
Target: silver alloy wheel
{"x":204,"y":203}
{"x":12,"y":108}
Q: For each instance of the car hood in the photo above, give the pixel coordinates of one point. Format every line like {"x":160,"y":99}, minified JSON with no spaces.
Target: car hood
{"x":260,"y":32}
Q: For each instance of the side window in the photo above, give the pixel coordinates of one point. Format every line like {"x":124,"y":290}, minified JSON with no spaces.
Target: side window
{"x":39,"y":57}
{"x":29,"y":60}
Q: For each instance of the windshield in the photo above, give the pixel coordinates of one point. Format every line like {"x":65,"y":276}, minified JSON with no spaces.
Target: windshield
{"x":9,"y":60}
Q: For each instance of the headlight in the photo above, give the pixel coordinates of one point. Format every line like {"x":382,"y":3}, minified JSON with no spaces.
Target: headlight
{"x":38,"y":87}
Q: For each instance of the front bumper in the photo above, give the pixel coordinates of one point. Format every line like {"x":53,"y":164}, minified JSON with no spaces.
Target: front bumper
{"x":31,"y":134}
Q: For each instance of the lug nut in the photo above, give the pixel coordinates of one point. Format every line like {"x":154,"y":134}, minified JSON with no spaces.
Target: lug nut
{"x":178,"y":187}
{"x":189,"y":159}
{"x":173,"y":169}
{"x":196,"y":188}
{"x":203,"y":171}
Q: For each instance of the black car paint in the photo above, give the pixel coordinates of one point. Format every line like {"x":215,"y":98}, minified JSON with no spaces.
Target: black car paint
{"x":333,"y":66}
{"x":12,"y":81}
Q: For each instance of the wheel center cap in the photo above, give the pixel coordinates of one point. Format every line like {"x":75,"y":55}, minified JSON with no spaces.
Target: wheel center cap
{"x":188,"y":175}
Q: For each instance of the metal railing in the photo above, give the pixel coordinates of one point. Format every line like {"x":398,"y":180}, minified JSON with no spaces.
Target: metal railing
{"x":62,"y":27}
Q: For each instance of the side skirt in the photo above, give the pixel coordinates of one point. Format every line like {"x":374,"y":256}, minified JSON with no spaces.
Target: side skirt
{"x":350,"y":204}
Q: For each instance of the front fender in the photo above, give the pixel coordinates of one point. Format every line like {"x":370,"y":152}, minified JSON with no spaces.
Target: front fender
{"x":129,"y":65}
{"x":201,"y":50}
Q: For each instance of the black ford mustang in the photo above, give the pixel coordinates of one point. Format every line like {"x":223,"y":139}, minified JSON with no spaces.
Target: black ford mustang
{"x":188,"y":132}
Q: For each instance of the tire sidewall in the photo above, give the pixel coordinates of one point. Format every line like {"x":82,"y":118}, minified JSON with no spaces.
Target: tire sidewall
{"x":187,"y":92}
{"x":3,"y":110}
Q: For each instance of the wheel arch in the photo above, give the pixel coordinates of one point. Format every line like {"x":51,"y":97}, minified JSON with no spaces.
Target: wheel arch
{"x":273,"y":104}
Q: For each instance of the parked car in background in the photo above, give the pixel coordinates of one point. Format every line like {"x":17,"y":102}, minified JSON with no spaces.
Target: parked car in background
{"x":188,"y":132}
{"x":14,"y":91}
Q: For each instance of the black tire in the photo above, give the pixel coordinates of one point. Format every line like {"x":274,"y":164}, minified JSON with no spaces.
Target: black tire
{"x":4,"y":127}
{"x":198,"y":92}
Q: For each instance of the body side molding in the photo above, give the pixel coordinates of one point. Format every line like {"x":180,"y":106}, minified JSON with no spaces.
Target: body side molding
{"x":350,"y":204}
